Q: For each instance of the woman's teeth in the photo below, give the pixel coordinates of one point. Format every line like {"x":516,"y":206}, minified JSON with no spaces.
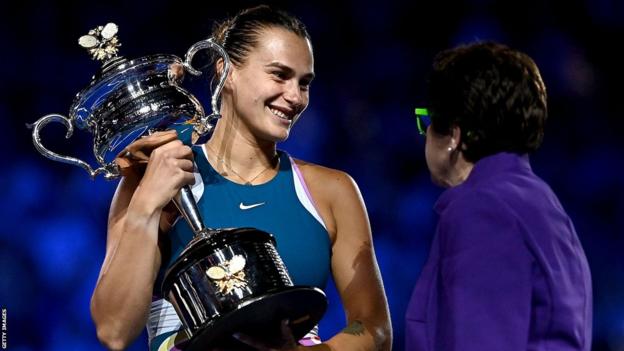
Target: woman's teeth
{"x":279,"y":114}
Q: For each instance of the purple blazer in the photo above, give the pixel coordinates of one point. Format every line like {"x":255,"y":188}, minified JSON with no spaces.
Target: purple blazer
{"x":506,"y":270}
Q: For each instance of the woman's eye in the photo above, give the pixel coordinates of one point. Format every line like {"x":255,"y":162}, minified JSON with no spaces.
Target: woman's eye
{"x":280,"y":75}
{"x":305,"y":84}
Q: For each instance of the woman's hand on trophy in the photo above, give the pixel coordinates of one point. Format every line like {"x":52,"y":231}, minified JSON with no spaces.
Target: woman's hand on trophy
{"x":134,"y":158}
{"x":169,"y":167}
{"x":176,"y":72}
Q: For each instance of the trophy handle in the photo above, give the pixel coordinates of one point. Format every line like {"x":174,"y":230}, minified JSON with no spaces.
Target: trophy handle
{"x":110,"y":170}
{"x":205,"y":44}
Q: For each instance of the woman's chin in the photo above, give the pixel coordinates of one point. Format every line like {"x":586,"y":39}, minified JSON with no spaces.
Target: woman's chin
{"x":280,"y":133}
{"x":276,"y":136}
{"x":440,"y":181}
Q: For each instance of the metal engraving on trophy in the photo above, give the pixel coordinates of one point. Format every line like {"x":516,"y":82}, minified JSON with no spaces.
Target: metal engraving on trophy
{"x":229,"y":275}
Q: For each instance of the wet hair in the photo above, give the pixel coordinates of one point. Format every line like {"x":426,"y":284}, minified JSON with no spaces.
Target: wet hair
{"x":493,"y":93}
{"x":239,"y":34}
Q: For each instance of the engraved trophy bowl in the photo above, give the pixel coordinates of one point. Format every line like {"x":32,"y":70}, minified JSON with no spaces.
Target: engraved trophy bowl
{"x":225,"y":280}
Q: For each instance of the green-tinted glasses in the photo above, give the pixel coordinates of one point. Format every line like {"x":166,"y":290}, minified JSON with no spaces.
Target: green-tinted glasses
{"x":423,"y":120}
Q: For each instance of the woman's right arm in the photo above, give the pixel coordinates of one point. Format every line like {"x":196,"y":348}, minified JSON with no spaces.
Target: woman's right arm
{"x":123,"y":293}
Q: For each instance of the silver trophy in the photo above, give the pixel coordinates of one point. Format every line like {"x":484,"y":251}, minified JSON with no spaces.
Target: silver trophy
{"x":226,"y":280}
{"x":130,"y":98}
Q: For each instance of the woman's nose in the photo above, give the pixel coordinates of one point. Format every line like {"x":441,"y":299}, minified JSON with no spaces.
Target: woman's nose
{"x":293,"y":93}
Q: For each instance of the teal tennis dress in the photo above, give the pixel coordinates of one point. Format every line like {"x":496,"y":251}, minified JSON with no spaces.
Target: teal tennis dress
{"x":282,"y":206}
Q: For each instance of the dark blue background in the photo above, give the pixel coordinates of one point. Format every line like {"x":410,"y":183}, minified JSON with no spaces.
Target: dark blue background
{"x":371,"y":63}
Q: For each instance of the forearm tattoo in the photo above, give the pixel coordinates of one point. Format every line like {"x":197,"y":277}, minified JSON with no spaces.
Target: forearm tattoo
{"x":355,"y":328}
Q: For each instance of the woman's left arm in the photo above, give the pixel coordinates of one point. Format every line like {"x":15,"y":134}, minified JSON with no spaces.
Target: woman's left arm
{"x":354,"y":267}
{"x":355,"y":271}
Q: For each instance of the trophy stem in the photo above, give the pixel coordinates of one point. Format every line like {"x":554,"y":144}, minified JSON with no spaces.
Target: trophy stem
{"x":185,"y":202}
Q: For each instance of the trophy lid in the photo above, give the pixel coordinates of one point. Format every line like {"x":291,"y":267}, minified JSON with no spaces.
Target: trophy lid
{"x":101,"y":42}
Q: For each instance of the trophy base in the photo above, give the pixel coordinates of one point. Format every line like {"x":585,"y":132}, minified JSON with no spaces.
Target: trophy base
{"x":261,"y":319}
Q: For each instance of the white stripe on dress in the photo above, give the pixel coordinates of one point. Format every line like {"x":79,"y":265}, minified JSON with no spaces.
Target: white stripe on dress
{"x":304,"y":194}
{"x":162,"y":319}
{"x":198,"y":187}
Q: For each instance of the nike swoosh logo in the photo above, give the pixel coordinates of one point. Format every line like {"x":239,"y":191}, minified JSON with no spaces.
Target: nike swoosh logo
{"x":247,"y":207}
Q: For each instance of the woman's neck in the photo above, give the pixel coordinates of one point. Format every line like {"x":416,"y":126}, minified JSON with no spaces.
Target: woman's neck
{"x":230,"y":150}
{"x":461,"y":170}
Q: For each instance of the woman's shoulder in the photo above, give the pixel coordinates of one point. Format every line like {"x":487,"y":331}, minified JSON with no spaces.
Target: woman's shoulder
{"x":331,"y":190}
{"x":330,"y":180}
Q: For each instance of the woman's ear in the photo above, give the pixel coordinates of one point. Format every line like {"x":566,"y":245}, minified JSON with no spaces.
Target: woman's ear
{"x":219,"y":70}
{"x":219,"y":67}
{"x":455,"y":137}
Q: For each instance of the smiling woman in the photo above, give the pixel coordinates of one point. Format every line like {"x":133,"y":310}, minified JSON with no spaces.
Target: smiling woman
{"x":315,"y":213}
{"x":268,"y":92}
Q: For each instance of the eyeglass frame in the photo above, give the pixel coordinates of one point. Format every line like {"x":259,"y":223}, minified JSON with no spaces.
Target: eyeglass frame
{"x":423,"y":120}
